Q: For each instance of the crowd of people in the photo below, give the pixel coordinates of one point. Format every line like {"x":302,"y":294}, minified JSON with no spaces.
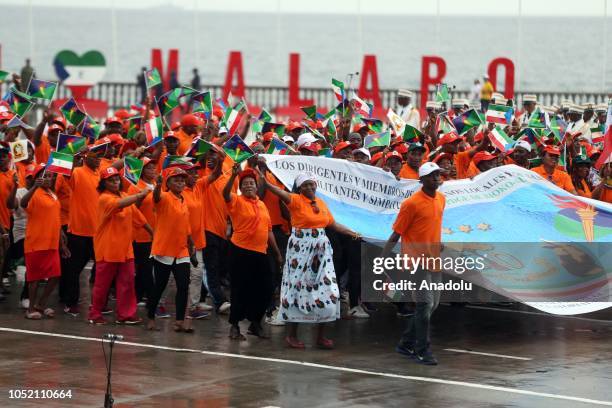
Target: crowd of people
{"x":232,"y":231}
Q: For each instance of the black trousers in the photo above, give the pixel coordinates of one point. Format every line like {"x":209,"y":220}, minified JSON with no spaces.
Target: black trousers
{"x":251,"y":284}
{"x":81,"y":251}
{"x":161,"y":274}
{"x":215,"y":257}
{"x":144,"y":270}
{"x":277,"y":270}
{"x":347,"y":259}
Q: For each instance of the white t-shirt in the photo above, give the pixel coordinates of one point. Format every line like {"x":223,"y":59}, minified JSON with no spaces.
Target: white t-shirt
{"x":20,"y":218}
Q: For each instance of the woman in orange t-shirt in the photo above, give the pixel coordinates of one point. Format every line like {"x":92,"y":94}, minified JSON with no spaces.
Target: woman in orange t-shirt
{"x":43,"y":239}
{"x":309,"y":291}
{"x":581,"y":166}
{"x":116,"y":218}
{"x":172,"y":248}
{"x":249,"y":266}
{"x":603,"y":191}
{"x":142,"y":239}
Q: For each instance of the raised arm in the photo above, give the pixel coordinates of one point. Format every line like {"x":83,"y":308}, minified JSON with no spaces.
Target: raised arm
{"x":25,"y":200}
{"x":227,"y":190}
{"x":11,"y":201}
{"x":283,"y":195}
{"x":157,"y":190}
{"x":134,"y":198}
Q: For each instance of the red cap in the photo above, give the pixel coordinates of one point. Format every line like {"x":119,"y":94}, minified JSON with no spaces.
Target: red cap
{"x":218,"y":112}
{"x":248,"y":172}
{"x":34,"y":169}
{"x":376,"y":158}
{"x":175,"y":171}
{"x":267,"y":137}
{"x":175,"y":126}
{"x":6,"y":115}
{"x":102,"y":140}
{"x":448,"y":138}
{"x":358,"y":126}
{"x":109,"y":172}
{"x":190,"y":120}
{"x":313,"y":147}
{"x":443,"y":156}
{"x":122,"y":114}
{"x":60,"y":120}
{"x":170,"y":134}
{"x":396,"y":140}
{"x":401,"y":148}
{"x":552,"y":150}
{"x":342,"y":145}
{"x":294,"y":125}
{"x":478,"y":136}
{"x":391,"y":155}
{"x":115,"y":138}
{"x":129,"y":145}
{"x":54,"y":126}
{"x":483,"y":156}
{"x":112,"y":119}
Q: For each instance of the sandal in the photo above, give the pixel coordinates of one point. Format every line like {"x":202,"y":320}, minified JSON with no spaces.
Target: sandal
{"x":35,"y":315}
{"x":325,"y":344}
{"x":293,"y":342}
{"x":50,"y":313}
{"x":151,"y":326}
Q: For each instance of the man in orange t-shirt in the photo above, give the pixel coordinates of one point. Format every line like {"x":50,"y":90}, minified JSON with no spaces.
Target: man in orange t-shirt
{"x":187,"y":132}
{"x":550,"y":172}
{"x":410,"y":169}
{"x":419,"y":225}
{"x":6,"y":186}
{"x":82,"y":222}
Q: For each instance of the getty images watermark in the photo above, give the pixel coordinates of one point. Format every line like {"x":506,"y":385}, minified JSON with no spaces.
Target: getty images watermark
{"x":383,"y":266}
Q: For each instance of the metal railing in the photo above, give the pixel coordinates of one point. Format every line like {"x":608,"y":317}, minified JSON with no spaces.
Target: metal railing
{"x":123,"y":94}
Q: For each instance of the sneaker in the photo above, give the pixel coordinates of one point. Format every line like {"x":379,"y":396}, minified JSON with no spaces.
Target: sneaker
{"x":24,"y":303}
{"x":198,"y":313}
{"x":6,"y":282}
{"x":98,"y":321}
{"x":224,"y":308}
{"x":425,"y":358}
{"x":344,"y":297}
{"x":405,"y":350}
{"x":205,"y":307}
{"x":106,"y":311}
{"x":71,"y":310}
{"x":142,"y":303}
{"x":369,"y":307}
{"x":130,"y":320}
{"x":161,"y":313}
{"x":358,"y":312}
{"x":274,"y":320}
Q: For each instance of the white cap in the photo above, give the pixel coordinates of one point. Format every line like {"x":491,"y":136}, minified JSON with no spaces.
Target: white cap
{"x":363,"y":150}
{"x":497,"y":95}
{"x":288,"y":139}
{"x":601,"y":107}
{"x":304,"y":177}
{"x":574,"y":108}
{"x":428,"y":168}
{"x":305,"y":138}
{"x":524,"y":144}
{"x":222,"y":129}
{"x":589,"y":105}
{"x":458,"y":103}
{"x":405,"y":92}
{"x":433,"y":104}
{"x":530,"y":98}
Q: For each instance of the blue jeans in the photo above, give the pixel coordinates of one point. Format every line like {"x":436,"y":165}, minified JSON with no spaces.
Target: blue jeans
{"x":416,"y":335}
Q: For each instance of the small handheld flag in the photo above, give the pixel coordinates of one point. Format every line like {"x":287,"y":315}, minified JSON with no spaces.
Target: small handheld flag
{"x":237,"y":149}
{"x":70,"y":144}
{"x":202,"y":102}
{"x":277,"y":128}
{"x":132,"y":169}
{"x":19,"y":150}
{"x":133,"y":126}
{"x":60,"y":163}
{"x":154,"y":129}
{"x":412,"y":134}
{"x":499,"y":114}
{"x":500,"y":139}
{"x":397,"y":123}
{"x":152,"y":78}
{"x":198,"y":148}
{"x":90,"y":129}
{"x":42,"y":89}
{"x":467,"y":120}
{"x":277,"y":146}
{"x":17,"y":122}
{"x":72,"y":113}
{"x":381,"y":139}
{"x":360,"y":106}
{"x":233,"y":117}
{"x":442,"y":94}
{"x":3,"y":76}
{"x":338,"y":88}
{"x":171,"y":161}
{"x":18,"y":102}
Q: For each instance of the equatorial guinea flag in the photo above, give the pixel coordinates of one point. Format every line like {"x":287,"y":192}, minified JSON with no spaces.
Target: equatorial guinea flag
{"x":499,"y":114}
{"x":500,"y":139}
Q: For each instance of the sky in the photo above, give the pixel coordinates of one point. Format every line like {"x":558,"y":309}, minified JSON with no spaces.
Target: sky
{"x":365,"y":7}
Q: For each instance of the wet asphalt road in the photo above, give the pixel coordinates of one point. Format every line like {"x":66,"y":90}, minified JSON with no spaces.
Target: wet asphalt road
{"x":558,"y":362}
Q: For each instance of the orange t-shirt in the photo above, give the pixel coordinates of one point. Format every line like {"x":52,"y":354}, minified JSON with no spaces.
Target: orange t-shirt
{"x":146,"y":208}
{"x":43,"y":226}
{"x":606,"y":195}
{"x":303,"y":214}
{"x":251,"y":223}
{"x":83,"y":201}
{"x":20,"y":168}
{"x":408,"y":172}
{"x":6,"y":186}
{"x":216,"y":210}
{"x":419,"y":223}
{"x":558,"y":178}
{"x":583,"y":190}
{"x":171,"y":226}
{"x":63,"y":191}
{"x":465,"y":166}
{"x":42,"y":151}
{"x":185,"y":141}
{"x":113,"y":238}
{"x":194,"y":199}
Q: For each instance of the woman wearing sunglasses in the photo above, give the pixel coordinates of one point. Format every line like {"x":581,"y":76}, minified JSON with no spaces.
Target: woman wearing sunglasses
{"x":309,"y":291}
